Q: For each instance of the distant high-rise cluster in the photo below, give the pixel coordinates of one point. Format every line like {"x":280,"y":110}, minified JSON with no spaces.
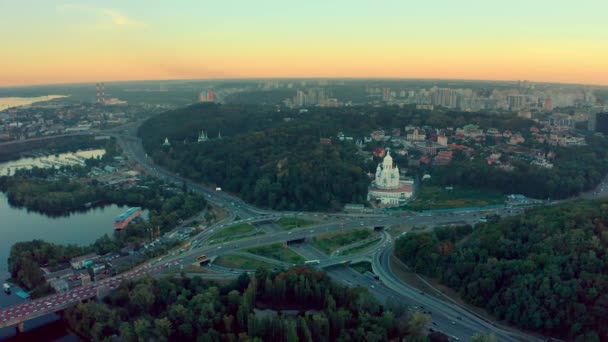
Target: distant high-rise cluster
{"x":314,"y":97}
{"x":386,"y":94}
{"x":101,"y":93}
{"x":206,"y":96}
{"x":521,"y":97}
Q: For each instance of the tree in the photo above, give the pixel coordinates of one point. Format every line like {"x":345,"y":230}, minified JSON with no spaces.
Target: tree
{"x":142,"y":329}
{"x":480,"y":337}
{"x":417,"y":323}
{"x":143,"y":298}
{"x":291,"y":333}
{"x":163,"y":329}
{"x":126,"y":332}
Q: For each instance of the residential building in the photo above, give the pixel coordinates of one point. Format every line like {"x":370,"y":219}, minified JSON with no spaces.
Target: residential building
{"x":83,"y":261}
{"x":416,"y":135}
{"x":442,"y":140}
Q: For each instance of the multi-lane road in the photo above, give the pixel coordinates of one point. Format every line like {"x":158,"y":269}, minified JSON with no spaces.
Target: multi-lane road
{"x":456,"y":321}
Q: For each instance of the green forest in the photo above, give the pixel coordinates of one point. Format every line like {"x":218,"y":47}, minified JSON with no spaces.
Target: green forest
{"x":247,"y":309}
{"x":26,"y":258}
{"x":284,"y":167}
{"x":273,"y":157}
{"x":546,"y":270}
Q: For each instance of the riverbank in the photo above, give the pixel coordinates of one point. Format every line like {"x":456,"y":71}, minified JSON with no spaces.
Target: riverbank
{"x":10,"y":151}
{"x":12,"y":102}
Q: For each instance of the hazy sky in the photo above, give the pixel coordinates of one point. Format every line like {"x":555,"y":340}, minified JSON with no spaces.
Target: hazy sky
{"x":50,"y":41}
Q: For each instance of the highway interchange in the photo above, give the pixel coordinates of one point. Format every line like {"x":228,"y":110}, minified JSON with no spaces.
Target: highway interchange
{"x":448,"y":317}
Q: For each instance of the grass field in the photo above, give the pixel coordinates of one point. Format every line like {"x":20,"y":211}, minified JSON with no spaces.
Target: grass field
{"x":398,"y":229}
{"x":329,"y":242}
{"x":234,"y":232}
{"x":278,"y":252}
{"x":288,"y":223}
{"x":361,"y":247}
{"x":362,"y":267}
{"x":194,"y":269}
{"x":241,"y":262}
{"x":436,"y":197}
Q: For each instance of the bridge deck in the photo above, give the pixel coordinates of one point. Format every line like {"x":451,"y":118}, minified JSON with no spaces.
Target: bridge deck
{"x":60,"y":301}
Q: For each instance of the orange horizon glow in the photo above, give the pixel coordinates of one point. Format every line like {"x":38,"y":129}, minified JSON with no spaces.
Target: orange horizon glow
{"x":65,"y":43}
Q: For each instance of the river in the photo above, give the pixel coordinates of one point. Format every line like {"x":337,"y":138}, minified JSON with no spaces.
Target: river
{"x":9,"y":102}
{"x":19,"y":224}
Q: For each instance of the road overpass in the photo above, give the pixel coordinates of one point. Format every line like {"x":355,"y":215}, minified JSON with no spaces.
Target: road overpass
{"x":456,"y":321}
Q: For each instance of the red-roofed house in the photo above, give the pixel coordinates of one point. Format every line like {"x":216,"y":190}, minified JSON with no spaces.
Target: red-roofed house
{"x":379,"y":152}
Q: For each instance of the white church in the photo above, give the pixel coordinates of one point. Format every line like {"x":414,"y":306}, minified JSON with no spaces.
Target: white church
{"x":387,"y":187}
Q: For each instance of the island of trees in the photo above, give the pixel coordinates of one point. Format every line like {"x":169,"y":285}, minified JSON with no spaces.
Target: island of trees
{"x":546,"y":270}
{"x":64,"y":195}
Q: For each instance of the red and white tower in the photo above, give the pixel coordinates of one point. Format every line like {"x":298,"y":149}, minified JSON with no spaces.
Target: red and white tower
{"x":101,"y":93}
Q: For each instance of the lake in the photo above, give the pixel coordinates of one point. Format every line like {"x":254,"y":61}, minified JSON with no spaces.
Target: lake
{"x":19,"y":224}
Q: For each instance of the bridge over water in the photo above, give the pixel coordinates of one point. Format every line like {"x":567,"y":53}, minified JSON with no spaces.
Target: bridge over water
{"x":17,"y":315}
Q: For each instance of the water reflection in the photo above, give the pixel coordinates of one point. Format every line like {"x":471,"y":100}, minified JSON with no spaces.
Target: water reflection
{"x":63,"y":159}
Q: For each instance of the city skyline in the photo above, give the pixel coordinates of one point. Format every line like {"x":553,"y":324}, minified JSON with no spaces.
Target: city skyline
{"x":62,"y":42}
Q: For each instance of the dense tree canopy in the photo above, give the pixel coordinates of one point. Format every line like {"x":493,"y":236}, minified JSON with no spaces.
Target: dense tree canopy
{"x":274,"y":158}
{"x":187,"y":309}
{"x":281,"y":166}
{"x":64,"y":195}
{"x":546,"y":270}
{"x":26,"y":258}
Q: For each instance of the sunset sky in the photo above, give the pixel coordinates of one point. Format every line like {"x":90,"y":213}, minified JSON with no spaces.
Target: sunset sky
{"x":50,"y":41}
